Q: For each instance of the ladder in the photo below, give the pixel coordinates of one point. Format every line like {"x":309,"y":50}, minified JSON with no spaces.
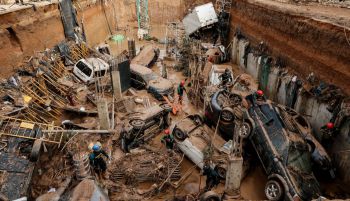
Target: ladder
{"x":30,"y":130}
{"x":142,"y":18}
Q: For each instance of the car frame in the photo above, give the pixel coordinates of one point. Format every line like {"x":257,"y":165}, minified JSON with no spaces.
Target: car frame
{"x":88,"y":69}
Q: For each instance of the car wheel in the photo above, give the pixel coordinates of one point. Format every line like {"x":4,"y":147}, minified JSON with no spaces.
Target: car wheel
{"x":166,"y":107}
{"x":179,"y":135}
{"x":137,"y":123}
{"x":35,"y":153}
{"x":210,"y":196}
{"x":273,"y":190}
{"x":227,"y":115}
{"x":245,"y":130}
{"x":221,"y":172}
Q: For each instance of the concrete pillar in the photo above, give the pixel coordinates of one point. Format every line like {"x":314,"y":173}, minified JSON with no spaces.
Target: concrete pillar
{"x":132,"y":48}
{"x":115,"y":77}
{"x":103,"y":116}
{"x":233,"y":178}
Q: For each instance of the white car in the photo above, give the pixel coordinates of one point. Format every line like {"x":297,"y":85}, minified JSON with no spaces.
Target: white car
{"x":88,"y":69}
{"x":197,"y":142}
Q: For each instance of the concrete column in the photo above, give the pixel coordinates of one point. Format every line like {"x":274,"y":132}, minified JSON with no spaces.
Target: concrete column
{"x":233,"y":177}
{"x":103,"y":116}
{"x":115,"y":77}
{"x":132,"y":48}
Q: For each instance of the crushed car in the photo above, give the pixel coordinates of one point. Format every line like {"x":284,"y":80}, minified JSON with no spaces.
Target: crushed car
{"x":145,"y":78}
{"x":285,"y":151}
{"x":197,"y":142}
{"x":147,"y":56}
{"x":142,"y":126}
{"x":223,"y":108}
{"x":89,"y":69}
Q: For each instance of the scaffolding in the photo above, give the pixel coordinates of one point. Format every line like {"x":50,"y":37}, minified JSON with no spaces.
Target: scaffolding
{"x":142,"y":18}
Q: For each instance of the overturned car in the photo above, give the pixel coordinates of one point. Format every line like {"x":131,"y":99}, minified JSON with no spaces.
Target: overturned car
{"x":145,"y":78}
{"x":197,"y":142}
{"x":286,"y":148}
{"x":142,"y":126}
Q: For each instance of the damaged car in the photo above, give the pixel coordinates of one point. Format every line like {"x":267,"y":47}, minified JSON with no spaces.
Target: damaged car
{"x":145,"y":78}
{"x":223,"y":108}
{"x":89,"y":69}
{"x":284,"y":152}
{"x":197,"y":142}
{"x":147,"y":56}
{"x":142,"y":126}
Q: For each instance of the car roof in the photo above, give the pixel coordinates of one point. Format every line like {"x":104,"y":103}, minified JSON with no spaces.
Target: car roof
{"x":140,"y":69}
{"x":96,"y":63}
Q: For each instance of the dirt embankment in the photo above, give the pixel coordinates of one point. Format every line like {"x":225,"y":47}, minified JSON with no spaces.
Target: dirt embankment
{"x":304,"y":43}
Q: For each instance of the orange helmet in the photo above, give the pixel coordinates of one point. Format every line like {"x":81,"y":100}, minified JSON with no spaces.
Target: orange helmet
{"x":182,"y":83}
{"x":260,"y":93}
{"x":330,"y":125}
{"x":167,"y":131}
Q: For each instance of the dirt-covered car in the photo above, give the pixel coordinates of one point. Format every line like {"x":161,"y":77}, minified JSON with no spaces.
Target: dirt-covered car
{"x":284,"y":152}
{"x":197,"y":142}
{"x":142,"y":126}
{"x":145,"y":78}
{"x":223,"y":108}
{"x":147,"y":56}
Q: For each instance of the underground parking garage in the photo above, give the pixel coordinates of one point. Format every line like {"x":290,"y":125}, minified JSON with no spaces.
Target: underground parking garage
{"x":174,"y":100}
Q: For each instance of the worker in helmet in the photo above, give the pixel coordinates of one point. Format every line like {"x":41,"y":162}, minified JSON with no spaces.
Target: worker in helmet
{"x":225,"y":77}
{"x":168,"y":139}
{"x":256,"y":96}
{"x":96,"y":158}
{"x":180,"y":91}
{"x":328,"y":131}
{"x":213,"y":178}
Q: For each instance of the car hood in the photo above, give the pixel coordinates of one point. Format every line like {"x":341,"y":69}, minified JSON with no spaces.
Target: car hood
{"x":160,"y":84}
{"x":306,"y":185}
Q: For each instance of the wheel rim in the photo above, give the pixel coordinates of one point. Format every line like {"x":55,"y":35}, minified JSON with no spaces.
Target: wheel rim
{"x":245,"y":130}
{"x":272,"y":191}
{"x":137,"y":122}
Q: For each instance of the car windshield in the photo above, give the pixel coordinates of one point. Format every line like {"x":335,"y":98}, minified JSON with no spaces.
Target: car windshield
{"x":84,"y":68}
{"x":150,"y":77}
{"x":299,"y":158}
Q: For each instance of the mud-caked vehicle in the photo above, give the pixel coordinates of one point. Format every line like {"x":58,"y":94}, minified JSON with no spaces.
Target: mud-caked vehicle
{"x":142,"y":126}
{"x":287,"y":150}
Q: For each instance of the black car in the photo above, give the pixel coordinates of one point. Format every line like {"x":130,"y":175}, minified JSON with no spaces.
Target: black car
{"x":145,"y":78}
{"x":222,"y":109}
{"x":144,"y":125}
{"x":284,"y":152}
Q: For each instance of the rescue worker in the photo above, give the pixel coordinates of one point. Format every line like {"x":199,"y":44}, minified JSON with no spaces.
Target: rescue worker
{"x":180,"y":91}
{"x":96,"y":158}
{"x":256,"y":96}
{"x":213,"y":178}
{"x":328,"y":131}
{"x":225,"y":77}
{"x":168,"y":139}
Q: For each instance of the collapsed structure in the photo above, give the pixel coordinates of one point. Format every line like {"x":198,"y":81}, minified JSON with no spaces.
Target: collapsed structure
{"x":191,"y":111}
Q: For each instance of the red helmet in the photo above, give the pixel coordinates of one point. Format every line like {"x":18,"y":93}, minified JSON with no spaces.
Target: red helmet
{"x":167,"y":131}
{"x":182,"y":83}
{"x":260,"y":93}
{"x":330,"y":125}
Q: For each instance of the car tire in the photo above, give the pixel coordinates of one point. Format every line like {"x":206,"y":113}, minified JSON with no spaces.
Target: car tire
{"x":274,"y":190}
{"x":166,"y":107}
{"x":210,"y":196}
{"x":225,"y":115}
{"x":221,"y":172}
{"x":137,"y":123}
{"x":35,"y":153}
{"x":179,"y":135}
{"x":245,"y":131}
